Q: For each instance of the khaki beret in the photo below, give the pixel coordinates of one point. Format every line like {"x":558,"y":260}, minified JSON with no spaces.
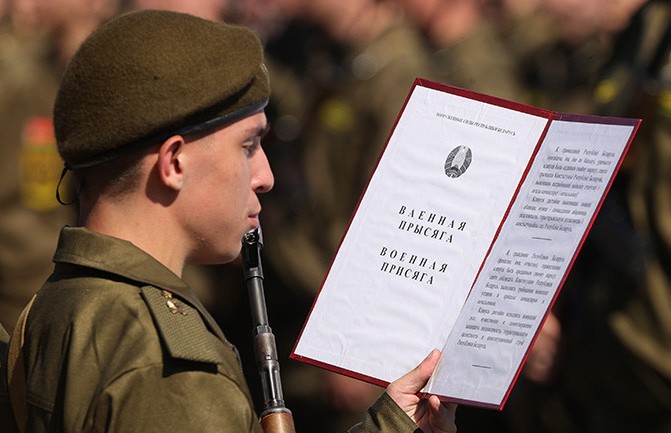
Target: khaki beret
{"x":144,"y":76}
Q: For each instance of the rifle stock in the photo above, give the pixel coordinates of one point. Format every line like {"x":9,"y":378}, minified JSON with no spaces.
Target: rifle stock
{"x":275,"y":418}
{"x":278,"y":422}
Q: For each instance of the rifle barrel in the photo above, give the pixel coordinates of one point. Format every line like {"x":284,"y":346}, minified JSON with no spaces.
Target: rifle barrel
{"x":276,"y":417}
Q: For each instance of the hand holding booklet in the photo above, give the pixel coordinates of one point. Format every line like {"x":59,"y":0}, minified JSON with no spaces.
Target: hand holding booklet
{"x":467,"y":229}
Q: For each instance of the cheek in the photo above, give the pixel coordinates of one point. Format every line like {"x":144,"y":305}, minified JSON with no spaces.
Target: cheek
{"x":235,"y":179}
{"x":232,"y":188}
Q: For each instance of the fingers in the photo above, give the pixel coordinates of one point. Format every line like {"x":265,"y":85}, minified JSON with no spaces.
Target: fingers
{"x":540,"y":363}
{"x":443,"y":414}
{"x":404,"y":390}
{"x":430,"y":414}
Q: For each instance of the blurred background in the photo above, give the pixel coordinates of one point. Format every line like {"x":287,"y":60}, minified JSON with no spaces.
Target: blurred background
{"x":340,"y":72}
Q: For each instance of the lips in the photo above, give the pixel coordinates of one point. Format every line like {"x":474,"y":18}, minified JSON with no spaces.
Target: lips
{"x":254,"y":219}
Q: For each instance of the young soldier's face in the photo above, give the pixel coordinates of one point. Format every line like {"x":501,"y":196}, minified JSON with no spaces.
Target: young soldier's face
{"x":231,"y":169}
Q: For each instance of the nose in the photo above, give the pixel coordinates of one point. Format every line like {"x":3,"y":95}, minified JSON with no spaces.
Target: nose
{"x":262,"y":175}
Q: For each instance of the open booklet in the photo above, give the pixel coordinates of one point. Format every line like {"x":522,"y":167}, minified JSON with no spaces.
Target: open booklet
{"x":465,"y":233}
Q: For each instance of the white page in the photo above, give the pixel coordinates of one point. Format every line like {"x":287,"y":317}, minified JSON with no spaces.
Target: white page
{"x":369,"y":319}
{"x":529,"y":260}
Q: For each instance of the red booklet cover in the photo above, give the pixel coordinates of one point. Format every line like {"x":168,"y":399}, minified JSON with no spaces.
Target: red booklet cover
{"x":466,"y":231}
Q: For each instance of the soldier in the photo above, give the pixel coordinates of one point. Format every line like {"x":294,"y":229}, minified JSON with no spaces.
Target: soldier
{"x":466,"y":46}
{"x":352,"y":94}
{"x":160,"y":116}
{"x":612,"y":373}
{"x":343,"y":131}
{"x":623,"y":330}
{"x":36,"y":41}
{"x":560,"y":47}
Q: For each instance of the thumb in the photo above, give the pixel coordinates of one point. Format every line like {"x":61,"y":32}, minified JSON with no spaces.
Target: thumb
{"x":415,"y":380}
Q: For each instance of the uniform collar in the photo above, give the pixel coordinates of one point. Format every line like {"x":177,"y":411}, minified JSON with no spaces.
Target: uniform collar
{"x":82,"y":247}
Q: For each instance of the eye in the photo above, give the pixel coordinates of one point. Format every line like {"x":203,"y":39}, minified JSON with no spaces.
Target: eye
{"x":252,"y":145}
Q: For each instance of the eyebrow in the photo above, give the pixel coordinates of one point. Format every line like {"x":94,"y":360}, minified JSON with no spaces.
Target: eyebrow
{"x":262,"y":131}
{"x":254,"y":132}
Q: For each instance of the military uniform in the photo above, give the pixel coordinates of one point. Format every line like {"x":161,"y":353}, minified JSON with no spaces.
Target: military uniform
{"x":614,"y":374}
{"x":128,"y":344}
{"x":555,"y":73}
{"x":643,"y":324}
{"x":7,"y":425}
{"x":469,"y":62}
{"x":30,"y":216}
{"x":115,"y":340}
{"x":352,"y":97}
{"x":344,"y":135}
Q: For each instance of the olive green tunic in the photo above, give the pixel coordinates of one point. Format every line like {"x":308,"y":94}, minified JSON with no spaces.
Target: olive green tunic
{"x":117,"y":342}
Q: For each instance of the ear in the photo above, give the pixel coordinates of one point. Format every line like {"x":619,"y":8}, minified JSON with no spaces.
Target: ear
{"x":170,"y":170}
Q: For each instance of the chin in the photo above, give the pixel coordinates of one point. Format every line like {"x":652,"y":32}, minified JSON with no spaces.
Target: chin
{"x":228,"y":257}
{"x":219,"y":257}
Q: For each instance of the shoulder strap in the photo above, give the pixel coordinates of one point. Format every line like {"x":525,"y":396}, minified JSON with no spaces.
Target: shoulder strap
{"x":16,"y":375}
{"x":180,"y":326}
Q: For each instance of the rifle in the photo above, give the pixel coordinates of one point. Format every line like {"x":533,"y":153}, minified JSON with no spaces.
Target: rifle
{"x":275,"y":418}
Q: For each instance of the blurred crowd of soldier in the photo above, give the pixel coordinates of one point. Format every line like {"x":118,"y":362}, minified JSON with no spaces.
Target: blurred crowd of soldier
{"x":340,"y":72}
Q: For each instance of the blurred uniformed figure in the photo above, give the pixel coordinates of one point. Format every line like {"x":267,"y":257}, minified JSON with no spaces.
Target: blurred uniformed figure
{"x":339,"y":91}
{"x":345,"y":129}
{"x":303,"y":61}
{"x":37,"y":37}
{"x":561,"y":46}
{"x":30,"y":217}
{"x":467,"y":49}
{"x":613,"y":374}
